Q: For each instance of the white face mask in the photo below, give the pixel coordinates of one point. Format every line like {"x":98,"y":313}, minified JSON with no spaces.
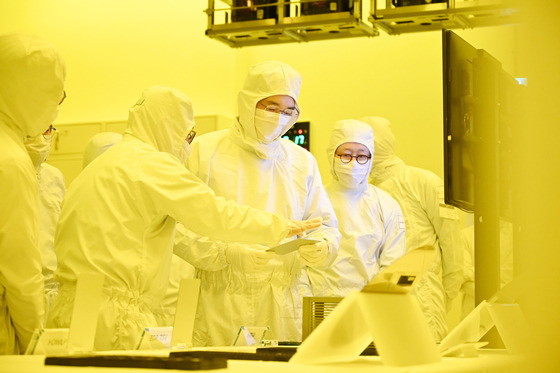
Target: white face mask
{"x":38,"y":148}
{"x":184,"y":152}
{"x":270,"y":126}
{"x":350,"y":174}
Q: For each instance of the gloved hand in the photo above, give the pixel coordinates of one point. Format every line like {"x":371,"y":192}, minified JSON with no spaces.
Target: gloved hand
{"x":247,"y":258}
{"x":298,"y":227}
{"x":314,"y":255}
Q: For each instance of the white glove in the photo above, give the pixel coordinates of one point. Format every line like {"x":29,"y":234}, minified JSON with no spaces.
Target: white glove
{"x":247,"y":258}
{"x":314,"y":255}
{"x":298,"y":227}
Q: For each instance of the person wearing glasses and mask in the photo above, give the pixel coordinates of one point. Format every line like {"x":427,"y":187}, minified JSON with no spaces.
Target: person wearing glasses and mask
{"x":252,"y":164}
{"x":428,"y":222}
{"x":32,"y":75}
{"x":370,"y":220}
{"x":118,"y":219}
{"x":51,"y":194}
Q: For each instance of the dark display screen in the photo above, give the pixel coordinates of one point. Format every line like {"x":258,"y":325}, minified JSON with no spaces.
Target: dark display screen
{"x":299,"y":134}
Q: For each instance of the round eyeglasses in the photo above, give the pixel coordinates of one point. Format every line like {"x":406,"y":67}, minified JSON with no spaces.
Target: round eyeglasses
{"x":346,"y":158}
{"x":276,"y":109}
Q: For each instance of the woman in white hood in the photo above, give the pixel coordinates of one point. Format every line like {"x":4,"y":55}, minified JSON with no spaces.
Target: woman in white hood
{"x":370,"y":220}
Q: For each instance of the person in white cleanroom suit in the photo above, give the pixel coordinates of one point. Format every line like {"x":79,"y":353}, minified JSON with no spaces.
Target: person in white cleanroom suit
{"x":51,"y":195}
{"x":251,"y":164}
{"x":119,"y":217}
{"x":180,"y":269}
{"x":370,"y":220}
{"x":32,"y":85}
{"x":428,"y":221}
{"x":98,"y":144}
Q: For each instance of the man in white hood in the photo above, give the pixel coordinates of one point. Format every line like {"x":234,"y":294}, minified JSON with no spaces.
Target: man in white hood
{"x":118,"y":219}
{"x":370,"y":220}
{"x":252,"y":164}
{"x":32,"y":86}
{"x":428,"y":222}
{"x":51,"y":194}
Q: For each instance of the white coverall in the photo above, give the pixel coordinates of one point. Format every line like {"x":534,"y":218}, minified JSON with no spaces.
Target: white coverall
{"x":180,"y":269}
{"x":119,"y":217}
{"x":98,"y":144}
{"x":32,"y":83}
{"x":279,"y":177}
{"x":51,"y":195}
{"x":370,"y":220}
{"x":428,"y":221}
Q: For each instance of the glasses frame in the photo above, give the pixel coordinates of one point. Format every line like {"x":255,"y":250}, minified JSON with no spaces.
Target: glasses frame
{"x":294,"y":111}
{"x":63,"y":97}
{"x":190,"y":136}
{"x":49,"y":130}
{"x":348,"y":158}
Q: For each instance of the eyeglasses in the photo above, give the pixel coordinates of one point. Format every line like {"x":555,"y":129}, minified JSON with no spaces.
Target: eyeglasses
{"x":63,"y":97}
{"x":190,"y":136}
{"x":275,"y":109}
{"x":346,"y":158}
{"x":50,"y":130}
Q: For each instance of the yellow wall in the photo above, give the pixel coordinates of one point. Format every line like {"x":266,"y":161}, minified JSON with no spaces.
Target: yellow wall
{"x":115,"y":49}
